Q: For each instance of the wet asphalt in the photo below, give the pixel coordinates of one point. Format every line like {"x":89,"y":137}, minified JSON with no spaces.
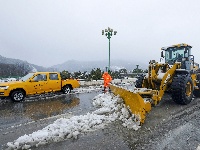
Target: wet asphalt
{"x":167,"y":126}
{"x":17,"y":119}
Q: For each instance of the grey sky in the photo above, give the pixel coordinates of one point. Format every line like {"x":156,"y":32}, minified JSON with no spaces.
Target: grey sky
{"x":49,"y":32}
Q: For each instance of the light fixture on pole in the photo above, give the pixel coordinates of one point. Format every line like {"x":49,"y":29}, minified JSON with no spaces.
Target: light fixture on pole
{"x":108,"y":33}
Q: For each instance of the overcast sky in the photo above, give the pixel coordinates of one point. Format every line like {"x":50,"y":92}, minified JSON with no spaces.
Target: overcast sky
{"x":49,"y":32}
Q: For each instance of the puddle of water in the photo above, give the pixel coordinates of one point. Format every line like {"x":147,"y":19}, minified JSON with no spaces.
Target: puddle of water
{"x":12,"y":114}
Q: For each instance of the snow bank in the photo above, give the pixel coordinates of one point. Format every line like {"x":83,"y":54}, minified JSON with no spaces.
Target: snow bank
{"x":110,"y":108}
{"x":88,"y":89}
{"x":198,"y":148}
{"x":100,"y":82}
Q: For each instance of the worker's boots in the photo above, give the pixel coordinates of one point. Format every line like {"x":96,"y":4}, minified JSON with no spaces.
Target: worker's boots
{"x":104,"y":89}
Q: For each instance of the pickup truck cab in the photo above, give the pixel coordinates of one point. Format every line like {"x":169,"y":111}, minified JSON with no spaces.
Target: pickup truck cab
{"x":37,"y":83}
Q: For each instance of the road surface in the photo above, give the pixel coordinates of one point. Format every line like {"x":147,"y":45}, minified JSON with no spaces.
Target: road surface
{"x":167,"y":126}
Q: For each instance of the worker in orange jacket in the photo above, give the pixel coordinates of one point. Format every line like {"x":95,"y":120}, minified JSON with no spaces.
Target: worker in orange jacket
{"x":107,"y":79}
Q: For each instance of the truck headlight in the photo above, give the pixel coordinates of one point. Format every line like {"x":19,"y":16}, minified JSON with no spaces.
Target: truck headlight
{"x":4,"y":87}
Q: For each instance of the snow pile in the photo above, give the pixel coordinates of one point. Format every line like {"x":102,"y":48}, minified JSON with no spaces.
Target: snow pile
{"x":11,"y":79}
{"x":8,"y":79}
{"x":88,"y":89}
{"x":118,"y":110}
{"x":110,"y":109}
{"x":61,"y":129}
{"x":126,"y":84}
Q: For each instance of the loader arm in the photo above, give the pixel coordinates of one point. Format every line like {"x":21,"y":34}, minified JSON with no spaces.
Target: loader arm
{"x":167,"y":78}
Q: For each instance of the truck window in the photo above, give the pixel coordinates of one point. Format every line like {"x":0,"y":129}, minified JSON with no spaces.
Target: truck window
{"x":40,"y":77}
{"x":53,"y":76}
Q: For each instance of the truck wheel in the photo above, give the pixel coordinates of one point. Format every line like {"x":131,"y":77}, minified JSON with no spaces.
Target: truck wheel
{"x":182,"y":89}
{"x":17,"y":96}
{"x":66,"y":89}
{"x":139,"y":81}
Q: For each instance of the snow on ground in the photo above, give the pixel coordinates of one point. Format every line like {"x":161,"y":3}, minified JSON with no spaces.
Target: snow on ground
{"x":98,"y":85}
{"x":88,"y":89}
{"x":8,"y":79}
{"x":109,"y":109}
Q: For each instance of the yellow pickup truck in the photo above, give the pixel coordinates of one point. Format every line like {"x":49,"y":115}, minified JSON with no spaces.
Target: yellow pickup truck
{"x":37,"y":83}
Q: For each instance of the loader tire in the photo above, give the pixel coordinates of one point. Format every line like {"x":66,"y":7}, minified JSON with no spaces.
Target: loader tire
{"x":139,"y":81}
{"x":182,"y":89}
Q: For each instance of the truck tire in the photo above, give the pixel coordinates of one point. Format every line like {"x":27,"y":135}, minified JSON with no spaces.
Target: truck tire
{"x":182,"y":89}
{"x":139,"y":81}
{"x":66,"y":89}
{"x":17,"y":96}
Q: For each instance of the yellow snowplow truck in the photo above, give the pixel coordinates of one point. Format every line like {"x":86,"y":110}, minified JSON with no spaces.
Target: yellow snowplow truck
{"x":177,"y":74}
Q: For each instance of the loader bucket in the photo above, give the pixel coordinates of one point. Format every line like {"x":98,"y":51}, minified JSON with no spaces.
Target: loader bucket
{"x":134,"y":101}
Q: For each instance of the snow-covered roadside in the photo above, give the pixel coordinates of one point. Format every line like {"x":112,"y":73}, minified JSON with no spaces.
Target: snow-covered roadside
{"x":110,"y":108}
{"x":91,"y":88}
{"x":88,"y":89}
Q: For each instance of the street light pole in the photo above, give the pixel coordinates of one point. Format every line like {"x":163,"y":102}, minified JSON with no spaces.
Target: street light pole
{"x":108,"y":34}
{"x":109,"y":56}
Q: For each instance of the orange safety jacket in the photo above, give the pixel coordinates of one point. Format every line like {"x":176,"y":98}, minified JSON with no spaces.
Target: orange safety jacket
{"x":107,"y":79}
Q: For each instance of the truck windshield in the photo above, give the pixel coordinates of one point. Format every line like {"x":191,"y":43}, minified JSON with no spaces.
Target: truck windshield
{"x":26,"y":77}
{"x":173,"y":54}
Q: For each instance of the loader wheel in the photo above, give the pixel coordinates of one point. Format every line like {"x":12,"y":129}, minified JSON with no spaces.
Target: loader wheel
{"x":182,"y":89}
{"x":17,"y":96}
{"x":139,"y":81}
{"x":66,"y":89}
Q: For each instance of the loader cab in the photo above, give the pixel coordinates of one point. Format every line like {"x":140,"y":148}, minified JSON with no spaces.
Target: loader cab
{"x":178,"y":53}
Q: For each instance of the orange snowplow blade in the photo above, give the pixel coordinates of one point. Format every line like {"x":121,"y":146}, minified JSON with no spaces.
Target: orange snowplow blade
{"x":134,"y":101}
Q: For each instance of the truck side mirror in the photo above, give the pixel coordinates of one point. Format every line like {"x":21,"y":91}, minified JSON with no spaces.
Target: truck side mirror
{"x":162,"y":55}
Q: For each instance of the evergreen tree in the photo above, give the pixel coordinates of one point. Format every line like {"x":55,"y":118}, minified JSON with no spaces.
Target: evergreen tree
{"x":65,"y":75}
{"x":95,"y":74}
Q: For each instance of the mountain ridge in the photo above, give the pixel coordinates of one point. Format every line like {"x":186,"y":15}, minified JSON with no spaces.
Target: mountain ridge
{"x":76,"y":65}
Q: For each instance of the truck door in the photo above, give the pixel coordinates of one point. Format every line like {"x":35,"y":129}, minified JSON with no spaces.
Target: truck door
{"x":54,"y":83}
{"x":38,"y":85}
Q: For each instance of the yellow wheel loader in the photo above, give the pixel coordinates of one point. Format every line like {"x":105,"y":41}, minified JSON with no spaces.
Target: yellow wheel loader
{"x":176,"y":74}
